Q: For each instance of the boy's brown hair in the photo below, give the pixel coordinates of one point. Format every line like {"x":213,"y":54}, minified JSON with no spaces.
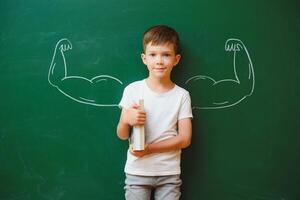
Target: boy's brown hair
{"x":161,"y":34}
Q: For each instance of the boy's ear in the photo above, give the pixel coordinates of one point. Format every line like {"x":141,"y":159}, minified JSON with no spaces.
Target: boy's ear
{"x":143,"y":56}
{"x":177,"y":57}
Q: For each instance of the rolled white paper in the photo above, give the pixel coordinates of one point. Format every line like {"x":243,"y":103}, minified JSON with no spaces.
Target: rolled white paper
{"x":138,"y":134}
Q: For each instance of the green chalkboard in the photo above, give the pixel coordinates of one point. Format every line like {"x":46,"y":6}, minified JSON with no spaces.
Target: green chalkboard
{"x":64,"y":65}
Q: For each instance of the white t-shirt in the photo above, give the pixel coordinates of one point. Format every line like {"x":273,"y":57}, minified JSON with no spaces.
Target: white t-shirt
{"x":163,"y":110}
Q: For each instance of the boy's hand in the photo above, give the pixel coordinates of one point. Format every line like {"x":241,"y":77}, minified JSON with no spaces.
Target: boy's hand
{"x":138,"y":154}
{"x":134,"y":116}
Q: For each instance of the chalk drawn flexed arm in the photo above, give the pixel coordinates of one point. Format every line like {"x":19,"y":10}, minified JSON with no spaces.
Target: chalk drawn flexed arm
{"x":227,"y":92}
{"x":102,"y":90}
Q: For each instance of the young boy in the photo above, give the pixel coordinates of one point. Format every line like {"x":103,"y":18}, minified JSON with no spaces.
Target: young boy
{"x":166,"y":117}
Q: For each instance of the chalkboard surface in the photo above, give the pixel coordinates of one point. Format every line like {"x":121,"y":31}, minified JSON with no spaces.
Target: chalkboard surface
{"x":64,"y":64}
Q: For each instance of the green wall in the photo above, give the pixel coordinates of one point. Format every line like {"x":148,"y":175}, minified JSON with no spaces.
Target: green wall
{"x":64,"y":64}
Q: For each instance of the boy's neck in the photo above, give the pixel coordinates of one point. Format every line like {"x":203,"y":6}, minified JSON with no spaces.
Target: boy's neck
{"x":160,"y":85}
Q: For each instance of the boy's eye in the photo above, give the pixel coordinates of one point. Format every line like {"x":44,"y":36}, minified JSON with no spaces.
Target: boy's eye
{"x":152,"y":54}
{"x":167,"y":55}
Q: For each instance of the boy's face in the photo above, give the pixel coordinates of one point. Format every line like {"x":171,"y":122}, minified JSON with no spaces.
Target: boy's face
{"x":160,"y":59}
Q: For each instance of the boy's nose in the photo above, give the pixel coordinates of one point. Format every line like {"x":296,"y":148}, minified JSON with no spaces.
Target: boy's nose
{"x":159,"y":60}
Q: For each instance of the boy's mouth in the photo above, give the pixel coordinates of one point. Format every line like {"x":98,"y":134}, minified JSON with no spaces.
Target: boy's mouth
{"x":160,"y":68}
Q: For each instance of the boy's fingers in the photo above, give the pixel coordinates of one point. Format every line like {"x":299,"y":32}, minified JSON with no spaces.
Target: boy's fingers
{"x":142,"y":112}
{"x":135,"y":106}
{"x":141,"y":123}
{"x":141,"y":116}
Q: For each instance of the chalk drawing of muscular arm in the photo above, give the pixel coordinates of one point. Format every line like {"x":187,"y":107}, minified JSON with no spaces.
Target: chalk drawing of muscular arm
{"x":208,"y":93}
{"x":102,"y":90}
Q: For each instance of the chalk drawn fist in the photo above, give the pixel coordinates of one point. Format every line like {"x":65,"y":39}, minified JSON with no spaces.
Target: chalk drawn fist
{"x":64,"y":45}
{"x":234,"y":45}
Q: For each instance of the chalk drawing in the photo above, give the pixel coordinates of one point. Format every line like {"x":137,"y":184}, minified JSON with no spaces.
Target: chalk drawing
{"x":237,"y":47}
{"x":58,"y":77}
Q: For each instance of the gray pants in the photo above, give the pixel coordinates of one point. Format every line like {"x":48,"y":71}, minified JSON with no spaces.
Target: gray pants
{"x":164,"y":187}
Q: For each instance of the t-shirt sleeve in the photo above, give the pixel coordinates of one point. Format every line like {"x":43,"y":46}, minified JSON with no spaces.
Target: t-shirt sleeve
{"x":126,"y":101}
{"x":186,"y":107}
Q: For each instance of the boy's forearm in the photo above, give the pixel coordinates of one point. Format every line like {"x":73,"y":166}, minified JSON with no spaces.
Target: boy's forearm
{"x":181,"y":141}
{"x":171,"y":144}
{"x":123,"y":130}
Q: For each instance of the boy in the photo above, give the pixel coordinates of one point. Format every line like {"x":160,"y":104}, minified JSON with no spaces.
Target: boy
{"x":166,"y":117}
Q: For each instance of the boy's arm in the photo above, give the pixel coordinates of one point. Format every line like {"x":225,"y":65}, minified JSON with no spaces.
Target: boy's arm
{"x":133,"y":116}
{"x":181,"y":141}
{"x":123,"y":128}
